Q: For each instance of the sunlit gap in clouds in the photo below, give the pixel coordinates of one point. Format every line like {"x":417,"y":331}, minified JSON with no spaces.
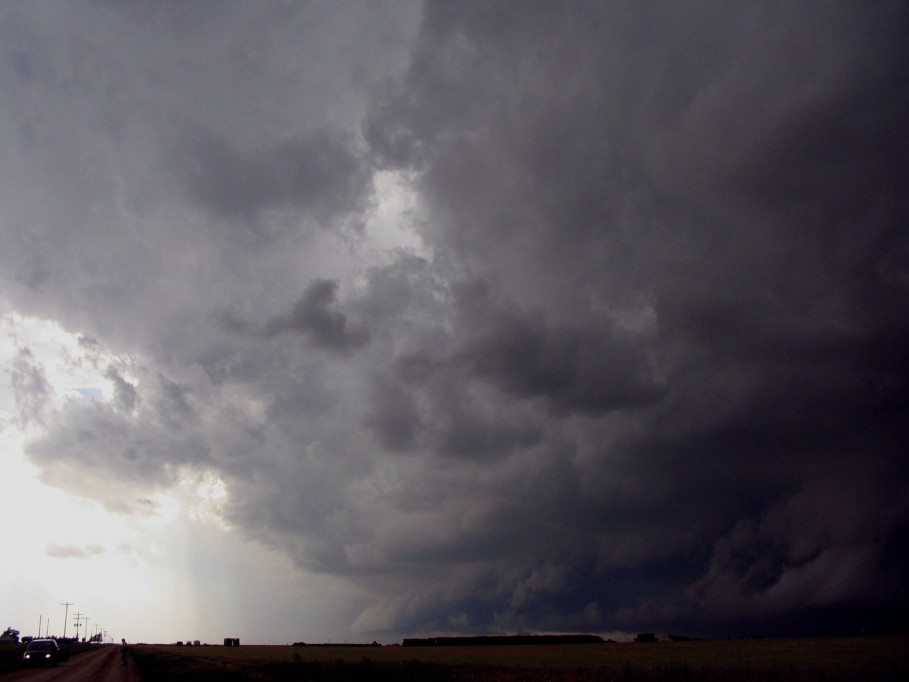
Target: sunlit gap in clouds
{"x":393,"y":223}
{"x":111,"y":565}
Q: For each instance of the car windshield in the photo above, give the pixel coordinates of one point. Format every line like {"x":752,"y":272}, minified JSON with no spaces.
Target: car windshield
{"x":41,"y":646}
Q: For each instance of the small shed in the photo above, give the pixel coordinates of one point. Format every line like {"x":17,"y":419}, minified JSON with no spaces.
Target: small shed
{"x":231,"y":641}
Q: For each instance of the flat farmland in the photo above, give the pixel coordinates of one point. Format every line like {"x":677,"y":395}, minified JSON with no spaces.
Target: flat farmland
{"x":878,"y":658}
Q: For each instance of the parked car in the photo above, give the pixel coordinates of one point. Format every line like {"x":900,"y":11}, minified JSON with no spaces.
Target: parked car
{"x":42,"y":652}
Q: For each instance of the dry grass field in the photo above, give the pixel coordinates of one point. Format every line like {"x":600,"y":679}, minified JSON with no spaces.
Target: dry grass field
{"x":722,"y":660}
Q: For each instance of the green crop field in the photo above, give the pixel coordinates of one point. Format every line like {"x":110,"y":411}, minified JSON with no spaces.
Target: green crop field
{"x":723,"y":660}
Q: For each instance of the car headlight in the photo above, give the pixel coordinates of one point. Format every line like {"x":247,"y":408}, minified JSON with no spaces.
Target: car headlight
{"x":27,"y":656}
{"x":47,"y":655}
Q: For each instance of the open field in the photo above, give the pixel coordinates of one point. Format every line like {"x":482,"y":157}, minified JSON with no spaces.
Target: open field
{"x":882,"y":658}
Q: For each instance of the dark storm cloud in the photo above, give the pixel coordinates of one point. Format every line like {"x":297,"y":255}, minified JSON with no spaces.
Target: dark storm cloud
{"x":320,"y":174}
{"x":132,"y":129}
{"x":696,"y":216}
{"x":646,"y":370}
{"x":444,"y":414}
{"x":589,"y":369}
{"x":323,"y":326}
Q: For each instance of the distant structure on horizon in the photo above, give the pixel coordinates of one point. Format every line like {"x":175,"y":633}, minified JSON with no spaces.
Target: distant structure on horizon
{"x":494,"y":640}
{"x":231,"y":641}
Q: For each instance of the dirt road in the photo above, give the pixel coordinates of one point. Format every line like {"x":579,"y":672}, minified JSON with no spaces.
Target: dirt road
{"x":99,"y":665}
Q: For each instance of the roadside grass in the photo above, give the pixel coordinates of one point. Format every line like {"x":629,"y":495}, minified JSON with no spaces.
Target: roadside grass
{"x":797,"y":660}
{"x":10,"y":657}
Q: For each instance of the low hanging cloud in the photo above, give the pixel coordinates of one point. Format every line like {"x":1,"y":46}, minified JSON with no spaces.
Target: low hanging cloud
{"x":646,"y":372}
{"x":74,"y":551}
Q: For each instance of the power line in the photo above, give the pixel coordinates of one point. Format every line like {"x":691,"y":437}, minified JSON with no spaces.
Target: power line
{"x":36,"y":596}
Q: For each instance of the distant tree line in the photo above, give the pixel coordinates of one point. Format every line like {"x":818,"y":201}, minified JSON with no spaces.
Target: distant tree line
{"x":11,"y":635}
{"x":336,"y":644}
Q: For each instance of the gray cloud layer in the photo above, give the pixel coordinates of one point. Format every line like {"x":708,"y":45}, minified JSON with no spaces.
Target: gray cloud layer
{"x":649,"y":372}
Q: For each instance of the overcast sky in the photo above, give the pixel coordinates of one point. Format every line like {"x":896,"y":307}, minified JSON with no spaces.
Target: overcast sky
{"x":343,"y":321}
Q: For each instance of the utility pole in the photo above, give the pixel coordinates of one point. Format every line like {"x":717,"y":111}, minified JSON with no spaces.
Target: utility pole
{"x":40,"y":619}
{"x":65,"y":616}
{"x":78,"y":616}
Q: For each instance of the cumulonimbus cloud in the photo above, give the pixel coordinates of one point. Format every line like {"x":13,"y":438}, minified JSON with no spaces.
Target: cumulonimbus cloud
{"x":648,"y":371}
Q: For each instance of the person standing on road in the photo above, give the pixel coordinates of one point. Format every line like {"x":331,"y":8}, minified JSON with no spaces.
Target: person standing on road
{"x":124,"y":652}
